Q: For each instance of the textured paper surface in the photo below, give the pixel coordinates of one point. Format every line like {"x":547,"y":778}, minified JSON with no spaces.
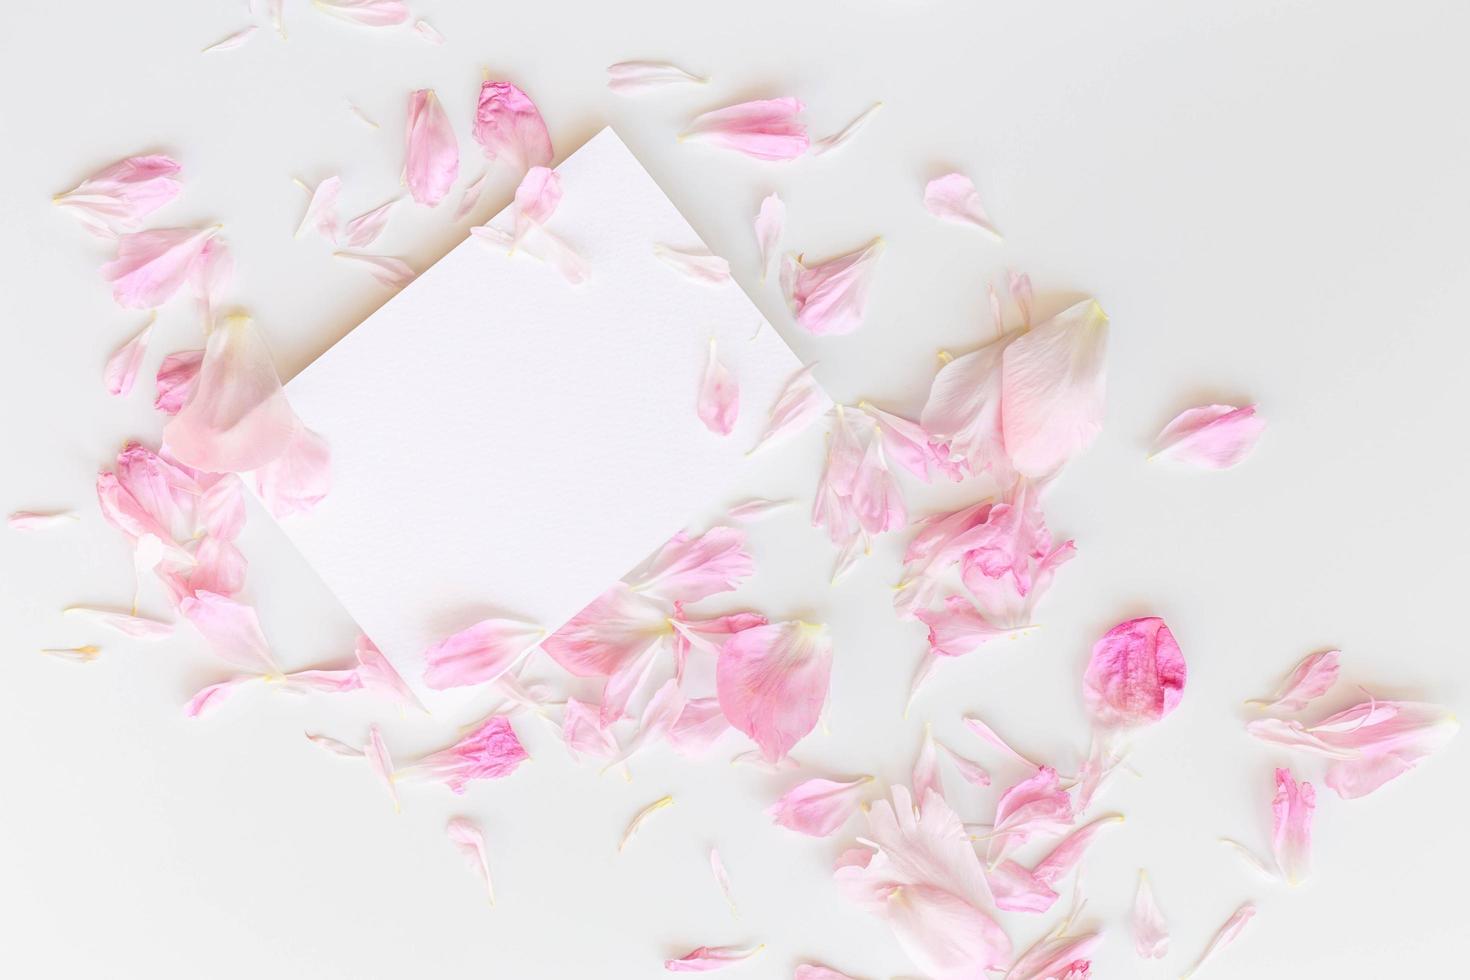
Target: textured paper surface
{"x":506,"y":443}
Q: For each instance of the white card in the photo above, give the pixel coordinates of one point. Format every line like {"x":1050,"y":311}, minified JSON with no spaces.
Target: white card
{"x":507,"y":444}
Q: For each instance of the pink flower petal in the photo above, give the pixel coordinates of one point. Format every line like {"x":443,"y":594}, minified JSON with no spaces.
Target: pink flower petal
{"x":770,"y":222}
{"x":1136,"y":674}
{"x":174,"y":383}
{"x":123,"y":511}
{"x":478,"y":654}
{"x":537,"y":198}
{"x":509,"y":127}
{"x":543,"y":245}
{"x":232,"y":630}
{"x":611,"y":632}
{"x":122,"y":367}
{"x":953,"y":198}
{"x":128,"y":624}
{"x":583,"y":732}
{"x":211,"y":274}
{"x":1307,"y":682}
{"x":973,"y":773}
{"x":470,"y":199}
{"x":1056,"y":956}
{"x":877,"y":501}
{"x":687,"y":569}
{"x":1018,"y":890}
{"x":428,"y":32}
{"x":722,"y":878}
{"x":390,"y":271}
{"x":321,"y":210}
{"x":1227,"y":935}
{"x":469,"y":841}
{"x":119,"y":196}
{"x":801,"y":402}
{"x":381,"y":762}
{"x":772,"y":682}
{"x":366,"y":13}
{"x":1215,"y":437}
{"x":1052,"y":389}
{"x":963,"y":410}
{"x":628,"y":77}
{"x":819,"y":807}
{"x":831,"y":298}
{"x":766,"y":129}
{"x":379,"y":676}
{"x":813,"y":971}
{"x":699,"y":726}
{"x":232,"y":41}
{"x":708,"y":958}
{"x":639,"y":818}
{"x":30,"y":520}
{"x":361,"y":116}
{"x":211,"y":697}
{"x":1018,"y":285}
{"x":719,"y":396}
{"x":695,"y":265}
{"x":1291,"y":826}
{"x":913,"y":448}
{"x":754,"y":508}
{"x":1067,"y":854}
{"x":1036,"y":806}
{"x":431,"y":161}
{"x":959,"y":629}
{"x":364,"y":229}
{"x":988,"y":734}
{"x":829,"y":143}
{"x":296,"y":480}
{"x":151,"y":266}
{"x":490,"y":751}
{"x":237,"y":417}
{"x":1150,"y":931}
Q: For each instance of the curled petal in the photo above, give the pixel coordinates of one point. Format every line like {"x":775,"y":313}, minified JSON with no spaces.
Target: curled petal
{"x":722,"y":878}
{"x":381,"y":763}
{"x":128,"y":624}
{"x":1136,"y":674}
{"x":829,"y":143}
{"x":767,"y":129}
{"x":770,"y":221}
{"x":431,"y":161}
{"x":719,"y":396}
{"x":696,"y":265}
{"x":1223,"y":938}
{"x":122,"y":367}
{"x":1215,"y":437}
{"x":628,"y":77}
{"x":641,"y":816}
{"x":953,"y":198}
{"x":1291,"y":826}
{"x":478,"y":654}
{"x":469,"y":841}
{"x":989,"y":734}
{"x":366,"y":13}
{"x":800,"y":403}
{"x":818,"y":807}
{"x":1019,"y":890}
{"x":1150,"y":931}
{"x":1052,"y":389}
{"x":831,"y":298}
{"x":707,"y":958}
{"x":1307,"y":682}
{"x":232,"y":630}
{"x":151,"y":266}
{"x":509,"y":127}
{"x":772,"y":682}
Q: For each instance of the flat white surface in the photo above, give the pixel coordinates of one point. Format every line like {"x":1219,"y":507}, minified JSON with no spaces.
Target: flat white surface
{"x":488,"y":419}
{"x":1269,"y":198}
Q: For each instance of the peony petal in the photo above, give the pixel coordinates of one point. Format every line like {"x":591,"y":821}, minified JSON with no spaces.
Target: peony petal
{"x":490,"y":750}
{"x":1227,"y":935}
{"x":428,"y":32}
{"x":211,"y":697}
{"x":321,"y":210}
{"x":30,"y":520}
{"x":381,"y":763}
{"x":707,"y":958}
{"x":696,"y":265}
{"x":151,"y":266}
{"x":366,"y":13}
{"x":766,"y":129}
{"x":232,"y":630}
{"x":119,"y":196}
{"x":953,"y":198}
{"x":128,"y":624}
{"x":1291,"y":826}
{"x":1067,"y":854}
{"x":537,"y":197}
{"x":1136,"y":674}
{"x":818,"y":807}
{"x":509,"y":127}
{"x":642,"y":815}
{"x":959,"y":629}
{"x":1036,"y":806}
{"x":945,"y":936}
{"x":122,"y":367}
{"x":988,"y":734}
{"x":688,"y":569}
{"x":772,"y":682}
{"x":1052,"y":389}
{"x":754,"y":508}
{"x":361,"y":116}
{"x":364,"y":229}
{"x":1307,"y":682}
{"x":831,"y":298}
{"x":814,"y":971}
{"x":770,"y":222}
{"x":237,"y":417}
{"x":478,"y":654}
{"x":1215,"y":437}
{"x":379,"y":676}
{"x":296,"y":480}
{"x":719,"y":396}
{"x":471,"y":198}
{"x":1150,"y":931}
{"x":431,"y":160}
{"x":232,"y":41}
{"x":722,"y":878}
{"x":963,"y":410}
{"x":877,"y":501}
{"x":391,"y":272}
{"x":800,"y":403}
{"x":829,"y":143}
{"x":628,"y":77}
{"x":469,"y":841}
{"x":174,"y":383}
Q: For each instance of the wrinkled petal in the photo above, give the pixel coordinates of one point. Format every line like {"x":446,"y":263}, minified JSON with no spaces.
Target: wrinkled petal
{"x":772,"y":682}
{"x":687,"y":569}
{"x":953,"y":198}
{"x":390,"y":271}
{"x":431,"y":160}
{"x":770,"y":222}
{"x":469,"y":841}
{"x":1307,"y":682}
{"x":628,"y":77}
{"x":719,"y":396}
{"x":801,"y":402}
{"x":1150,"y":931}
{"x":478,"y":654}
{"x":1291,"y":826}
{"x":509,"y":127}
{"x":829,"y":143}
{"x":119,"y":196}
{"x":151,"y":266}
{"x":1052,"y":389}
{"x":128,"y":624}
{"x":1215,"y":437}
{"x":819,"y":807}
{"x":321,"y":210}
{"x":122,"y":367}
{"x":490,"y":751}
{"x":1136,"y":674}
{"x":831,"y":298}
{"x":1227,"y":935}
{"x":696,"y":265}
{"x":641,"y":816}
{"x":232,"y":630}
{"x":364,"y":229}
{"x":707,"y":958}
{"x":766,"y":129}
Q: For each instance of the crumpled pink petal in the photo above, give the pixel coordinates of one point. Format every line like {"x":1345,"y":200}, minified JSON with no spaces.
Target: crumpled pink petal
{"x":1008,"y":561}
{"x":1291,"y":826}
{"x":958,"y":629}
{"x":509,"y":127}
{"x":232,"y":630}
{"x":770,"y":222}
{"x":1052,"y":388}
{"x":801,"y":402}
{"x":478,"y":654}
{"x":118,"y":197}
{"x":819,"y":807}
{"x":831,"y":298}
{"x":490,"y":751}
{"x":1136,"y":674}
{"x":296,"y":480}
{"x":122,"y":367}
{"x":174,"y":383}
{"x":953,"y":198}
{"x":1150,"y":931}
{"x":1307,"y":682}
{"x":719,"y":396}
{"x":151,"y":266}
{"x":1215,"y":437}
{"x":767,"y":129}
{"x":366,"y":13}
{"x":1223,"y":938}
{"x":687,"y":569}
{"x":708,"y":958}
{"x":772,"y":682}
{"x":237,"y":417}
{"x":469,"y":841}
{"x":431,"y":161}
{"x":1034,"y":807}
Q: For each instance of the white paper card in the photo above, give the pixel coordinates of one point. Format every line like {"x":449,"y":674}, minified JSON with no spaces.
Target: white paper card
{"x":506,"y":443}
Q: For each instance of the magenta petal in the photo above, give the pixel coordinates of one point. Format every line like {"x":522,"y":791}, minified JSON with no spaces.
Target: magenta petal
{"x":1212,"y":436}
{"x":431,"y":163}
{"x":767,"y":129}
{"x":509,"y":127}
{"x":831,"y":298}
{"x":1136,"y":674}
{"x":772,"y":682}
{"x":478,"y":654}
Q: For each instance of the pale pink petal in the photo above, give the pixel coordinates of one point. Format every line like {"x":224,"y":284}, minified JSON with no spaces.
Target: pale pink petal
{"x":296,"y":480}
{"x":1215,"y":437}
{"x":361,"y":116}
{"x":719,"y":396}
{"x":722,"y":878}
{"x":696,"y":265}
{"x":478,"y":654}
{"x":614,"y":630}
{"x":211,"y":697}
{"x":381,"y":762}
{"x":973,"y":773}
{"x":366,"y":13}
{"x":30,"y":520}
{"x":766,"y":129}
{"x":1067,"y":854}
{"x":640,"y":817}
{"x":831,"y":298}
{"x":1034,"y":807}
{"x":1150,"y":931}
{"x":984,"y":731}
{"x":813,"y":971}
{"x":379,"y":676}
{"x":1136,"y":674}
{"x":963,"y":410}
{"x":469,"y":841}
{"x":122,"y":367}
{"x":1018,"y":890}
{"x":1307,"y":682}
{"x":819,"y":807}
{"x":1291,"y":826}
{"x":1018,"y":284}
{"x":829,"y":143}
{"x":470,"y":199}
{"x":537,"y":197}
{"x":211,"y":274}
{"x":583,"y":733}
{"x":232,"y":41}
{"x":754,"y":508}
{"x":958,"y":629}
{"x":490,"y":750}
{"x":772,"y":682}
{"x":128,"y":624}
{"x":151,"y":266}
{"x":877,"y":501}
{"x":428,"y":32}
{"x":800,"y":404}
{"x":237,"y":417}
{"x":1052,"y":389}
{"x":364,"y":229}
{"x":388,"y":270}
{"x":119,"y":196}
{"x":321,"y":210}
{"x":1056,"y":956}
{"x":699,"y":726}
{"x":708,"y":958}
{"x":232,"y":631}
{"x":628,"y":77}
{"x":509,"y":127}
{"x":687,"y":569}
{"x":543,"y":245}
{"x":174,"y":383}
{"x":770,"y":222}
{"x":953,"y":198}
{"x":1227,"y":935}
{"x":925,"y":775}
{"x":431,"y":154}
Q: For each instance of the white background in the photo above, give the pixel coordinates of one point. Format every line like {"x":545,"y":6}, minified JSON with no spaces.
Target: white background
{"x":1269,"y":198}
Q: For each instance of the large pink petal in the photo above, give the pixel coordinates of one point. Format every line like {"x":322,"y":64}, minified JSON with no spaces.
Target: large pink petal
{"x":819,"y":807}
{"x":1213,"y":436}
{"x":719,"y":396}
{"x":831,"y":298}
{"x":767,"y":129}
{"x":117,"y":197}
{"x":431,"y":161}
{"x":151,"y":266}
{"x":1052,"y":389}
{"x":232,"y":630}
{"x":1136,"y":674}
{"x":772,"y":682}
{"x":478,"y":654}
{"x":509,"y":127}
{"x":953,"y":198}
{"x":611,"y":632}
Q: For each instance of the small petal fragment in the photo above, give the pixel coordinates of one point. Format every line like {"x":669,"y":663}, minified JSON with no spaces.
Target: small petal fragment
{"x":772,"y":682}
{"x":696,"y":265}
{"x":1215,"y":437}
{"x":719,"y":396}
{"x":128,"y":624}
{"x":469,"y":841}
{"x":1291,"y":826}
{"x":1308,"y":681}
{"x":953,"y":198}
{"x":1136,"y":674}
{"x":722,"y":878}
{"x":122,"y":367}
{"x":296,"y":480}
{"x":509,"y":127}
{"x":766,"y":129}
{"x":151,"y":266}
{"x":321,"y":210}
{"x":1067,"y":854}
{"x":233,"y":41}
{"x":1227,"y":935}
{"x":988,"y":734}
{"x":381,"y":763}
{"x":814,"y":971}
{"x":800,"y":403}
{"x":755,"y":508}
{"x":829,"y":143}
{"x":629,"y":77}
{"x":478,"y":654}
{"x":366,"y":13}
{"x":30,"y":520}
{"x":818,"y":807}
{"x":364,"y":229}
{"x":831,"y":298}
{"x":959,"y":629}
{"x":391,"y":272}
{"x":643,"y":815}
{"x":431,"y":161}
{"x":428,"y":32}
{"x":1150,"y":931}
{"x":707,"y":958}
{"x":770,"y":222}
